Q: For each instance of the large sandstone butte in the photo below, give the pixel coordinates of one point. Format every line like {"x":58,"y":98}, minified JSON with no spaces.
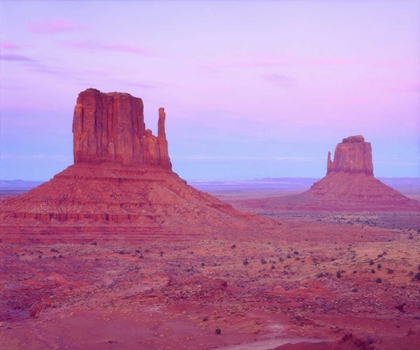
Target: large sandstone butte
{"x":122,"y":176}
{"x":353,"y":155}
{"x":348,"y":186}
{"x":350,"y":177}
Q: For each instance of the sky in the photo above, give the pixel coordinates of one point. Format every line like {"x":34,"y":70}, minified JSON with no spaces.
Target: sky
{"x":251,"y":89}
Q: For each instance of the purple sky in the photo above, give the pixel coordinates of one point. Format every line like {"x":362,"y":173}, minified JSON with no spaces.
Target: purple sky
{"x":251,"y":89}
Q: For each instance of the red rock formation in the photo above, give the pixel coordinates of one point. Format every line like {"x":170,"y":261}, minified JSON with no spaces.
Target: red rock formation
{"x":353,"y":155}
{"x":122,"y":175}
{"x":110,"y":128}
{"x":348,"y":186}
{"x":350,"y":178}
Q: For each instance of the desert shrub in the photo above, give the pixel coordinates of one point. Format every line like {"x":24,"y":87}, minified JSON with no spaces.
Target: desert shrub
{"x":281,"y":259}
{"x":161,"y":253}
{"x":378,"y":280}
{"x":233,"y":246}
{"x":369,"y":340}
{"x":417,"y":277}
{"x":203,"y":264}
{"x":263,"y":261}
{"x":246,"y":262}
{"x":218,"y":331}
{"x":372,"y":271}
{"x":94,"y":243}
{"x":388,"y":270}
{"x":380,"y":256}
{"x":54,"y":250}
{"x":338,"y":274}
{"x":138,"y":251}
{"x":141,"y":256}
{"x":321,"y":274}
{"x":205,"y":319}
{"x":371,"y":262}
{"x":379,"y":266}
{"x":296,"y":252}
{"x":273,"y":267}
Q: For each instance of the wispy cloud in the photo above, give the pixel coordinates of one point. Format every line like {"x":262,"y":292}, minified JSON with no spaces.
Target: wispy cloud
{"x":266,"y":62}
{"x":8,"y":46}
{"x":15,"y":57}
{"x":279,"y":79}
{"x":102,"y":46}
{"x":55,"y":26}
{"x":147,"y":85}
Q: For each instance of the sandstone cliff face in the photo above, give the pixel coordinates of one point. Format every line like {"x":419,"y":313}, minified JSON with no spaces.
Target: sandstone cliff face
{"x":353,"y":155}
{"x":109,"y":127}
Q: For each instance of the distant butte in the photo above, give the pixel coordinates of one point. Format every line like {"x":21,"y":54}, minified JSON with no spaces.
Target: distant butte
{"x":350,"y":177}
{"x":122,"y":176}
{"x":349,"y":185}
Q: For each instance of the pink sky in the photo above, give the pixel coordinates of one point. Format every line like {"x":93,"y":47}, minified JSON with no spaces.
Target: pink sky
{"x":251,"y":88}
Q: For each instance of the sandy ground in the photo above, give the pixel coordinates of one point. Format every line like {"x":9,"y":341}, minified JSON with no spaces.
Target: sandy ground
{"x":311,"y":282}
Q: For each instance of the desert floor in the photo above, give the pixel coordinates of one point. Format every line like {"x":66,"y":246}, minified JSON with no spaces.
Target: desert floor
{"x":311,"y":282}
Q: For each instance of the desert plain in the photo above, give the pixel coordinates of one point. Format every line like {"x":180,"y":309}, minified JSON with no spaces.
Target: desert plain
{"x":312,"y":281}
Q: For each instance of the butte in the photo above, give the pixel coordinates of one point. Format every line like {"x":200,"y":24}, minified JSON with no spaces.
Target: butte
{"x":121,"y":181}
{"x":349,"y":185}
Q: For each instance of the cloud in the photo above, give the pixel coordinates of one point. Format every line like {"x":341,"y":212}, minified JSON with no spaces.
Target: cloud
{"x":55,"y":26}
{"x":14,"y":57}
{"x":279,"y":79}
{"x":8,"y":46}
{"x":101,"y":46}
{"x":267,"y":62}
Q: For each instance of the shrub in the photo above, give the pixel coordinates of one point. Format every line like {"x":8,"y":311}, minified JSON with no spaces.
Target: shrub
{"x":263,"y":261}
{"x":371,"y":262}
{"x":378,"y":280}
{"x":338,"y":274}
{"x":246,"y":262}
{"x":218,"y":331}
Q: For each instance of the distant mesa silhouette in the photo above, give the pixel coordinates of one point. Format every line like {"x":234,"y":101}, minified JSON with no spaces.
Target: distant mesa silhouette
{"x":122,"y":174}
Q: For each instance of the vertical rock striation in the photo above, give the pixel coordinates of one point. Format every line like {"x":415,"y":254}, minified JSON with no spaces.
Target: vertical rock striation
{"x":353,"y":155}
{"x":110,"y":128}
